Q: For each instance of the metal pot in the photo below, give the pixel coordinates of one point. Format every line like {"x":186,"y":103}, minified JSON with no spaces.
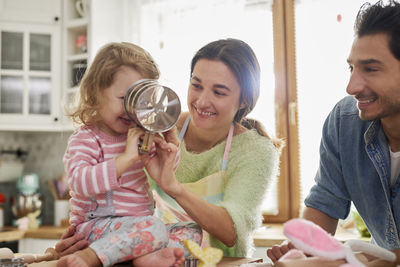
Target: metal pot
{"x":152,"y":106}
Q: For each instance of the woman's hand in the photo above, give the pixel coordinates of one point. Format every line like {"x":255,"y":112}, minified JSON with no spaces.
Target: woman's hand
{"x":160,"y":165}
{"x":171,"y":136}
{"x":70,"y":242}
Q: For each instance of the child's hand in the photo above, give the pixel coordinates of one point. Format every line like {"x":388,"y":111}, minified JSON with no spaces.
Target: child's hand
{"x":131,"y":154}
{"x":160,"y":166}
{"x":132,"y":143}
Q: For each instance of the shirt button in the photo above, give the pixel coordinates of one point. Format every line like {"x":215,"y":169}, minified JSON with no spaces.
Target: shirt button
{"x":391,"y":229}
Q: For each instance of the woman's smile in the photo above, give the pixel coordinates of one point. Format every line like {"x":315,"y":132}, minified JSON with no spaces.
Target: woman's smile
{"x":205,"y":114}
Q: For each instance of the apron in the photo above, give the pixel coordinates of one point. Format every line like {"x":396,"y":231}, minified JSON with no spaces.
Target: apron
{"x":210,"y":188}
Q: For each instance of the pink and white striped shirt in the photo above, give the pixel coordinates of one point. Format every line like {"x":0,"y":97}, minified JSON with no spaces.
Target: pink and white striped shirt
{"x":90,"y":164}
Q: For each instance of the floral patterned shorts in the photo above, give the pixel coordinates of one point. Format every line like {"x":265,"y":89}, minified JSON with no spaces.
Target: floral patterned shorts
{"x":119,"y":239}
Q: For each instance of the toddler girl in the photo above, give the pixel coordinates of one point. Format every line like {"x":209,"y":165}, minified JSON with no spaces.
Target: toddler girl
{"x":111,"y":203}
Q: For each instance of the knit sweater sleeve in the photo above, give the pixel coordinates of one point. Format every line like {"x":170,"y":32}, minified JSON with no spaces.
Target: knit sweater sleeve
{"x":88,"y":174}
{"x":253,"y":163}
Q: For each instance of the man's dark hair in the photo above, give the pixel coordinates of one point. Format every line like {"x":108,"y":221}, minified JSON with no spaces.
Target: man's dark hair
{"x":381,"y":17}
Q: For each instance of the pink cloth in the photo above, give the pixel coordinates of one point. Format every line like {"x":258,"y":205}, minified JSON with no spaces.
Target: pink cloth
{"x":313,"y":240}
{"x":293,"y":254}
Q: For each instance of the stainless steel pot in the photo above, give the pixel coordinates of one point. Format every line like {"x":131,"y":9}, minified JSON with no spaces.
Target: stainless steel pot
{"x":152,"y":106}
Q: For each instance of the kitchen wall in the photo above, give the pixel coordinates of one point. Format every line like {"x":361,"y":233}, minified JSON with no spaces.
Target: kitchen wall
{"x":45,"y":152}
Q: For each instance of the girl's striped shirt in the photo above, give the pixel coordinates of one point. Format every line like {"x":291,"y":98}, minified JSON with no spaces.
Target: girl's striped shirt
{"x":90,"y":164}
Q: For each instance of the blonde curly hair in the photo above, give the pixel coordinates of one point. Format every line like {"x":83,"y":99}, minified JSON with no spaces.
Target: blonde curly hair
{"x":101,"y":73}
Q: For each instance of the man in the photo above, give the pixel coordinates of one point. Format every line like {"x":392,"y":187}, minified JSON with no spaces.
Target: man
{"x":360,"y":146}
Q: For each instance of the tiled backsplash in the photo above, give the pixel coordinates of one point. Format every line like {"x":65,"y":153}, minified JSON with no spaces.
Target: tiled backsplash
{"x":45,"y":152}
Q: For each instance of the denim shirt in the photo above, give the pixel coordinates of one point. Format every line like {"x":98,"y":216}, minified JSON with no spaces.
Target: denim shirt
{"x":355,"y":166}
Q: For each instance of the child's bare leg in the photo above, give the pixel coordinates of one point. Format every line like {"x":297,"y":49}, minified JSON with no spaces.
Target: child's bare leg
{"x":165,"y":257}
{"x":81,"y":258}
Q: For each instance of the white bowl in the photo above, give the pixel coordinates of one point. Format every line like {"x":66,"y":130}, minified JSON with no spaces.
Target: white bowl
{"x":10,"y":170}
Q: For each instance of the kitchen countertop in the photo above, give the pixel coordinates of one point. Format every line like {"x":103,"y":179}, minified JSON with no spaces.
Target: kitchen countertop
{"x":272,"y":234}
{"x":43,"y":232}
{"x":267,"y":236}
{"x":225,"y":262}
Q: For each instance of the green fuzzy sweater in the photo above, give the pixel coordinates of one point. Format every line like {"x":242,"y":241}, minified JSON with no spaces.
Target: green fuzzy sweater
{"x":253,"y":162}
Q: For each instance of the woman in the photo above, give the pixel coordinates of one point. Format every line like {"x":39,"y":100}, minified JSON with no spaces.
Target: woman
{"x":227,"y":160}
{"x":226,"y":165}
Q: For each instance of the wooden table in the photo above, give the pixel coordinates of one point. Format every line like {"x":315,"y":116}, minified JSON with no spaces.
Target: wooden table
{"x":226,"y":262}
{"x":9,"y":233}
{"x":272,"y":234}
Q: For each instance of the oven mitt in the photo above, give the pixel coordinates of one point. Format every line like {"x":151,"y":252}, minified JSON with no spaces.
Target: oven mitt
{"x":313,"y":240}
{"x":208,"y":257}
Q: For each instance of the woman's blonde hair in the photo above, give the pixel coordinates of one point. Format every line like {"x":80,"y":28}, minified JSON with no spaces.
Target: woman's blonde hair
{"x":101,"y":73}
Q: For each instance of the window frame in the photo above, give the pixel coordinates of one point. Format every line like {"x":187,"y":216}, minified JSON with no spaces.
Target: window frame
{"x":286,"y":111}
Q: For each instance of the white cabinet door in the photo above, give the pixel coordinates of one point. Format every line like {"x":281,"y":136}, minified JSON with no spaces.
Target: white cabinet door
{"x":30,"y":11}
{"x":29,"y":76}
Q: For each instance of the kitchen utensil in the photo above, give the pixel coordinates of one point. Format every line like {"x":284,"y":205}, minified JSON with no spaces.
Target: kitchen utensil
{"x":11,"y":163}
{"x":152,"y":106}
{"x":28,"y":184}
{"x":24,"y":204}
{"x":14,"y":262}
{"x":61,"y":211}
{"x":61,"y":188}
{"x":78,"y":70}
{"x":53,"y":189}
{"x":81,"y":7}
{"x":191,"y":262}
{"x":10,"y":170}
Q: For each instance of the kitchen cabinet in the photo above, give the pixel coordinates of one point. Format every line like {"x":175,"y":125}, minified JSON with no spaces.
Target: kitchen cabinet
{"x":76,"y":50}
{"x":29,"y":76}
{"x":85,"y":31}
{"x":28,"y":11}
{"x":65,"y":38}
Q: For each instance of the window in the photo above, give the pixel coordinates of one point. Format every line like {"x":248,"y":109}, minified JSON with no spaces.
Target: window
{"x":173,"y":30}
{"x":322,"y":72}
{"x":302,"y":46}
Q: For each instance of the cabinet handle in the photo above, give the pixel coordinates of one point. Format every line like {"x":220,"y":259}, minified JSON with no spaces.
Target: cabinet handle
{"x":55,"y":119}
{"x":56,"y":18}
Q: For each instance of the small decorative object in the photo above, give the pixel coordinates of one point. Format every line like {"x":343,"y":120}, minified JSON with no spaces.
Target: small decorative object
{"x":208,"y":257}
{"x":33,"y":222}
{"x":81,"y":7}
{"x":60,"y":192}
{"x":23,"y":223}
{"x":81,"y":43}
{"x":78,"y":70}
{"x":2,"y":200}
